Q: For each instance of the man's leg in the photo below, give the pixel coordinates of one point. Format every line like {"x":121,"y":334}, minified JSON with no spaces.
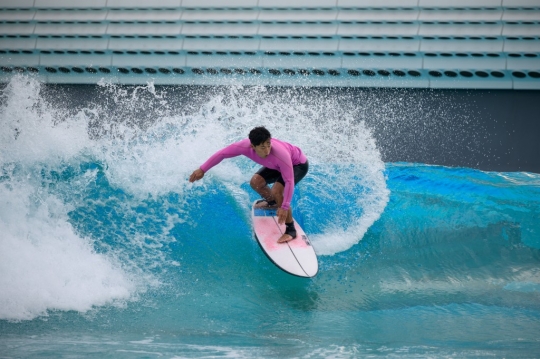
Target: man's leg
{"x":277,"y":193}
{"x":259,"y":185}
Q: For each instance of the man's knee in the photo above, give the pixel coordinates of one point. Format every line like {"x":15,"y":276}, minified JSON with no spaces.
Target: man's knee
{"x":257,"y":181}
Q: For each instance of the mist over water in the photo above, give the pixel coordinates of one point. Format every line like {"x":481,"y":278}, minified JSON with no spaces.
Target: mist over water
{"x":101,"y":232}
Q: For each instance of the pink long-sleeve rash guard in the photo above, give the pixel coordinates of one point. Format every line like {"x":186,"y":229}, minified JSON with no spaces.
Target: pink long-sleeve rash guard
{"x":283,"y":156}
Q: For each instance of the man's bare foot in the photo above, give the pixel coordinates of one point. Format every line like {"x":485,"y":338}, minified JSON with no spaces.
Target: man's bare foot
{"x":285,"y":238}
{"x":263,"y":204}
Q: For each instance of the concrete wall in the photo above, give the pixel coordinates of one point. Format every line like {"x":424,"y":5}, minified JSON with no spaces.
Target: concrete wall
{"x":382,"y":43}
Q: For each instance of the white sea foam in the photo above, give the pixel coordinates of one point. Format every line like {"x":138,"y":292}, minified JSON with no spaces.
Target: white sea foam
{"x":32,"y":131}
{"x":44,"y":264}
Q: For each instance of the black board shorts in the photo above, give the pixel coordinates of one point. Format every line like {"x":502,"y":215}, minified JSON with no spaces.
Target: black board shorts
{"x":272,"y":176}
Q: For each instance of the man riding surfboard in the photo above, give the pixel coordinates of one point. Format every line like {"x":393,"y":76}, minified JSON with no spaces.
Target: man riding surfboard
{"x":284,"y":165}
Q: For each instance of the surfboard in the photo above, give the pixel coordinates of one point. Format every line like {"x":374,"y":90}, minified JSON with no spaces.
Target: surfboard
{"x":296,"y":257}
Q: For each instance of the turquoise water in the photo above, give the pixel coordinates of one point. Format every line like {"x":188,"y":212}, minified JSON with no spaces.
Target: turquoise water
{"x":107,"y":251}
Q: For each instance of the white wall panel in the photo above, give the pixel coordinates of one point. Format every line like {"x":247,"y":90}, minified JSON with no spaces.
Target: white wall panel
{"x":298,"y":15}
{"x":219,"y":29}
{"x":377,"y":3}
{"x":325,"y":45}
{"x":378,"y":15}
{"x":295,"y":61}
{"x":17,"y":15}
{"x":525,"y":3}
{"x":143,"y":3}
{"x":453,"y":45}
{"x":298,"y":29}
{"x":223,"y":61}
{"x":383,"y":29}
{"x":473,"y":82}
{"x":463,"y":63}
{"x":70,"y":4}
{"x":382,"y":62}
{"x":72,"y":44}
{"x":297,"y":3}
{"x":522,"y":46}
{"x":390,"y":81}
{"x":214,"y":44}
{"x":522,"y":14}
{"x":521,"y":29}
{"x":523,"y":63}
{"x":75,"y":60}
{"x":19,"y":60}
{"x":144,"y":15}
{"x":17,"y":4}
{"x":145,"y":44}
{"x":459,"y":3}
{"x":385,"y":45}
{"x":219,"y":3}
{"x":72,"y":15}
{"x":526,"y":84}
{"x":17,"y":29}
{"x":18,"y":43}
{"x":288,"y":61}
{"x":71,"y":29}
{"x":468,"y":29}
{"x":149,"y":61}
{"x":144,"y":29}
{"x":61,"y":78}
{"x":220,"y":15}
{"x":495,"y":14}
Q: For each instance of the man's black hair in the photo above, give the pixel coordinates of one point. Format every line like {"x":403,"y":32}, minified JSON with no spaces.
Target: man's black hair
{"x":259,"y":135}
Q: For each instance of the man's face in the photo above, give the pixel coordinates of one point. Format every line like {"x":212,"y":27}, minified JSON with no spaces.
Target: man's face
{"x":263,"y":150}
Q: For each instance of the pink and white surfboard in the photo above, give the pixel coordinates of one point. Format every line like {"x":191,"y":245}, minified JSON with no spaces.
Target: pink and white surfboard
{"x":296,"y":257}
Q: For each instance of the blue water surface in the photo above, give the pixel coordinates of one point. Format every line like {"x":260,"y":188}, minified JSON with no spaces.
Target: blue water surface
{"x":450,"y":269}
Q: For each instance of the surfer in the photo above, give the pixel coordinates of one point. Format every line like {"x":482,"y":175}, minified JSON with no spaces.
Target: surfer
{"x":284,"y":165}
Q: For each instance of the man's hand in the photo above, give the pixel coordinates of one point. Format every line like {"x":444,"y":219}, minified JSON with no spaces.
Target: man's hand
{"x":196,"y":175}
{"x":282,"y":215}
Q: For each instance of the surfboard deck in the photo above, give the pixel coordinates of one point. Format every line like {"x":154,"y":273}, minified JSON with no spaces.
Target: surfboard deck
{"x":296,"y":257}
